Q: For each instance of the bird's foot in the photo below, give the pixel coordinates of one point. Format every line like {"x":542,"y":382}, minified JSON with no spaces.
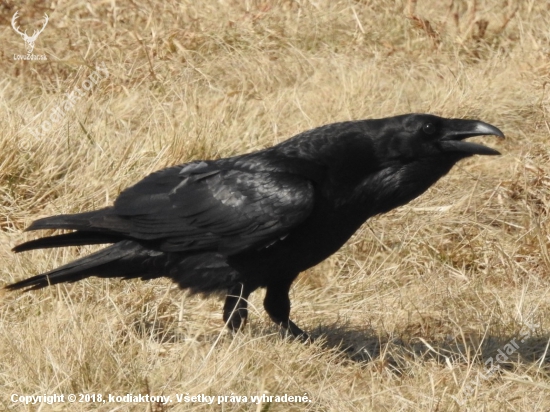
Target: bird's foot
{"x":291,"y":329}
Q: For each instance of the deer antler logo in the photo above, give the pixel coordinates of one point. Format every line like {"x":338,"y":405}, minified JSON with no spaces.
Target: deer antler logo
{"x":29,"y":40}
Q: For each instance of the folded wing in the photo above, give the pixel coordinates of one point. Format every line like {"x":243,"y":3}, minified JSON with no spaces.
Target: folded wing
{"x":198,"y":206}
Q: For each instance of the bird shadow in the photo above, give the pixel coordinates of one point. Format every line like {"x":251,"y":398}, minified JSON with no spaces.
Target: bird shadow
{"x":502,"y":352}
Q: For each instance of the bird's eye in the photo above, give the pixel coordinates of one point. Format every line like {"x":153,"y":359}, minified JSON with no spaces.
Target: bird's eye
{"x":428,"y":128}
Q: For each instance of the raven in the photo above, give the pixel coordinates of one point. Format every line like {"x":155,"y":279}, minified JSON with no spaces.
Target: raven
{"x":257,"y":220}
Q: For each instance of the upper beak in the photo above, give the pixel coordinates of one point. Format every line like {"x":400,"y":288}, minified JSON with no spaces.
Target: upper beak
{"x":452,"y":141}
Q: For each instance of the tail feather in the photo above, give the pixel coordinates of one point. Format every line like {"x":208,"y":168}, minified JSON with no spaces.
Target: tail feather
{"x":73,"y":221}
{"x":126,"y":259}
{"x":68,"y":239}
{"x":78,"y":221}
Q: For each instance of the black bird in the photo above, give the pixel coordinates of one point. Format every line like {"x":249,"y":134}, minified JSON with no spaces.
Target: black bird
{"x":257,"y":220}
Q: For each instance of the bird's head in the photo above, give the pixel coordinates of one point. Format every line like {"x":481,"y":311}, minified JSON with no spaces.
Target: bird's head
{"x":418,"y":136}
{"x":416,"y":150}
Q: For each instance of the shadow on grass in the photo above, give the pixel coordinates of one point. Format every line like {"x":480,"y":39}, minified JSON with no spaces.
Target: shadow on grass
{"x":506,"y":351}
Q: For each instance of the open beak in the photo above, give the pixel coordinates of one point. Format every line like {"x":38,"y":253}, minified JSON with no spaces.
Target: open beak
{"x":453,"y":139}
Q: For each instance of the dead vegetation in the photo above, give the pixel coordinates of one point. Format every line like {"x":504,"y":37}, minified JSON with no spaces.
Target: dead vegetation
{"x":407,"y":314}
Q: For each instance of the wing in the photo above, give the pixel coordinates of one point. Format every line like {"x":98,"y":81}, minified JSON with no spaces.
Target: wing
{"x":202,"y":206}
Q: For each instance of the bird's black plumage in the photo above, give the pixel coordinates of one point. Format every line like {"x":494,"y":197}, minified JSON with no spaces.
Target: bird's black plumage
{"x":257,"y":220}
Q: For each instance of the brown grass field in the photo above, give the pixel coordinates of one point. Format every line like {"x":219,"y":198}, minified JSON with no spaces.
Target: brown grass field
{"x":408,"y":316}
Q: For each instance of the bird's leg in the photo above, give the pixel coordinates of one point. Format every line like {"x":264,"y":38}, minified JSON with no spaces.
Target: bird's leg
{"x":277,"y":306}
{"x":234,"y":309}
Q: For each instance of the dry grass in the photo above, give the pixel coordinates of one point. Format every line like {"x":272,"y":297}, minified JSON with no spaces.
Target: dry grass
{"x":408,"y":312}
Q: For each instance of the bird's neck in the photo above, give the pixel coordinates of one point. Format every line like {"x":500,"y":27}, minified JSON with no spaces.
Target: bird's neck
{"x":397,"y":185}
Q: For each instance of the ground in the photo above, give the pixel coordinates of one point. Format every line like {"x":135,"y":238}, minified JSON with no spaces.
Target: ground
{"x":440,"y":305}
